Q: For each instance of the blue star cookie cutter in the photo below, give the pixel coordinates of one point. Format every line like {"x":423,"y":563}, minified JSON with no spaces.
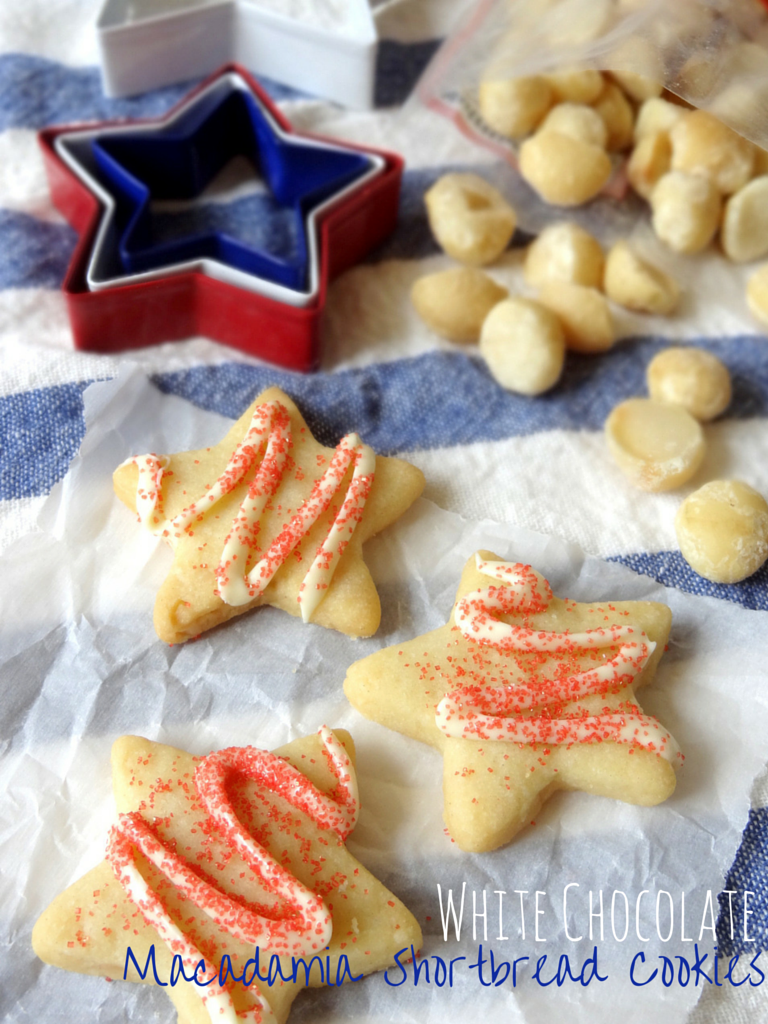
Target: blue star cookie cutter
{"x":110,"y":311}
{"x":104,"y":270}
{"x":177,"y":162}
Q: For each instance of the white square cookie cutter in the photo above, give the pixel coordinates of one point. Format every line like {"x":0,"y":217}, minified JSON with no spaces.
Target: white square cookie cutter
{"x":104,"y":270}
{"x":324,"y":47}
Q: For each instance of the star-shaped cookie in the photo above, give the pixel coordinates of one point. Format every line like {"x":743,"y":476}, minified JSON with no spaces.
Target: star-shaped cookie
{"x":257,"y":542}
{"x":162,"y":790}
{"x":525,"y":694}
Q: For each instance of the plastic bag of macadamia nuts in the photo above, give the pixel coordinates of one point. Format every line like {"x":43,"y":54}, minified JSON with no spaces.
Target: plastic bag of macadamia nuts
{"x":581,"y":101}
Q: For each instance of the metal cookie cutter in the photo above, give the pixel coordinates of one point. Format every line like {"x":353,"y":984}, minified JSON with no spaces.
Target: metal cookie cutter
{"x":204,"y":296}
{"x":325,"y":47}
{"x":177,"y":161}
{"x":105,"y":268}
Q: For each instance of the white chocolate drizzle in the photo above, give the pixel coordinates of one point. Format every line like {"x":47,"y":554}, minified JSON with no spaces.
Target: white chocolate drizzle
{"x":304,"y":928}
{"x":531,"y":713}
{"x":237,"y":585}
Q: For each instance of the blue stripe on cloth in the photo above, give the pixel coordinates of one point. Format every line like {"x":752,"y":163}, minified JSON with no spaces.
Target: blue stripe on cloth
{"x":423,"y":403}
{"x":671,"y":569}
{"x":40,"y":431}
{"x":35,"y":92}
{"x":33,"y":253}
{"x":399,"y":67}
{"x":748,"y":873}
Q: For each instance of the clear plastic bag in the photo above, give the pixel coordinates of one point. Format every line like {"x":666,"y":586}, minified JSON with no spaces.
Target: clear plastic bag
{"x":713,"y":54}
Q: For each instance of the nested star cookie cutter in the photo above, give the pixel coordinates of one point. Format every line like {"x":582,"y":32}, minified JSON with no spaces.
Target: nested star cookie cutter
{"x":179,"y":159}
{"x":85,"y":154}
{"x":145,"y":44}
{"x":105,"y":267}
{"x":280,"y":325}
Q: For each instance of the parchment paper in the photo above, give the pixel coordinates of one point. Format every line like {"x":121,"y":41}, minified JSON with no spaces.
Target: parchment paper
{"x":80,"y":664}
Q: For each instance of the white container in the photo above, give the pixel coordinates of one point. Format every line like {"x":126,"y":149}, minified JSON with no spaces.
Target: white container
{"x":146,"y":44}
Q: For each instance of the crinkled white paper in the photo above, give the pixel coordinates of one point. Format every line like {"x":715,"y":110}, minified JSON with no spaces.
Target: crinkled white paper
{"x":80,"y":664}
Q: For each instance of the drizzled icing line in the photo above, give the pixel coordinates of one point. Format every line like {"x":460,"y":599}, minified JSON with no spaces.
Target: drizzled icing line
{"x":305,"y":927}
{"x":499,"y":712}
{"x":236,"y":585}
{"x":148,"y":489}
{"x":132,"y":833}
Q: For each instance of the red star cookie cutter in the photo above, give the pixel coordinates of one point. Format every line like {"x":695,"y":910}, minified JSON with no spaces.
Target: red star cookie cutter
{"x":177,"y":306}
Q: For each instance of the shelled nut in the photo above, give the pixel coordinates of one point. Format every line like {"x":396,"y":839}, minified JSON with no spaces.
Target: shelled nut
{"x":523,"y":345}
{"x":649,"y":162}
{"x":577,"y":120}
{"x":634,"y":283}
{"x":515,"y":106}
{"x":692,"y":378}
{"x":564,"y":252}
{"x":744,"y":232}
{"x":469,"y":218}
{"x":656,"y":115}
{"x":722,"y":530}
{"x":686,"y":211}
{"x":577,"y":85}
{"x":657,"y":446}
{"x":564,"y":171}
{"x":454,"y":303}
{"x":701,"y":144}
{"x":616,"y":110}
{"x":584,"y":314}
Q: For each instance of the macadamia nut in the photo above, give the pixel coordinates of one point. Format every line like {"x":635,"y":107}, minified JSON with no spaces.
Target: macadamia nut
{"x":657,"y":447}
{"x":656,"y":115}
{"x":650,"y":161}
{"x":514,"y":107}
{"x":722,"y":530}
{"x":691,"y":378}
{"x":686,"y":211}
{"x":564,"y":171}
{"x":454,"y":303}
{"x":634,"y":283}
{"x":639,"y":87}
{"x":572,"y":23}
{"x":640,"y":68}
{"x":757,"y":295}
{"x":578,"y":85}
{"x":578,"y":121}
{"x":584,"y":314}
{"x":742,"y":102}
{"x":616,"y":110}
{"x":469,"y":218}
{"x":703,"y":145}
{"x":697,"y":77}
{"x":524,"y":346}
{"x":744,"y":232}
{"x":564,"y":252}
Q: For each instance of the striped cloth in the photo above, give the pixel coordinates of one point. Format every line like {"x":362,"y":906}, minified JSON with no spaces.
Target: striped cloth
{"x":539,"y":464}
